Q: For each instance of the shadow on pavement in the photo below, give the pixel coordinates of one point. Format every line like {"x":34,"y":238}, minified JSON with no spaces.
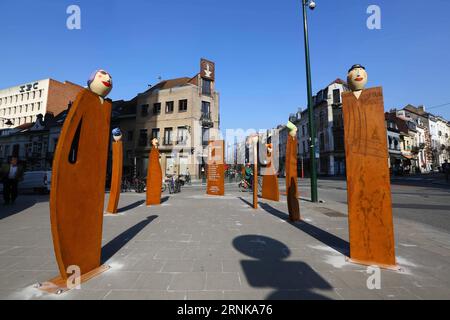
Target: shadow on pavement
{"x":164,"y":199}
{"x":325,"y":237}
{"x":268,"y":269}
{"x":122,"y":239}
{"x":21,"y":204}
{"x":131,"y":206}
{"x":246,"y":202}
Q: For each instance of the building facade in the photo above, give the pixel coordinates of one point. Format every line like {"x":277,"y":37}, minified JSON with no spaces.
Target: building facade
{"x":23,"y":103}
{"x":182,"y":113}
{"x":329,"y":126}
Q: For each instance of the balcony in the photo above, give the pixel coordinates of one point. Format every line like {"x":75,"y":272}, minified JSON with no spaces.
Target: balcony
{"x":206,"y":121}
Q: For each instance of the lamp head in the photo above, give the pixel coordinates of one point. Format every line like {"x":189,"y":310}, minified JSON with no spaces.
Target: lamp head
{"x":312,"y":5}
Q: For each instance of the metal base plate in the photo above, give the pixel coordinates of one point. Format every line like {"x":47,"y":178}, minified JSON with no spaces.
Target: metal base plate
{"x":58,"y":285}
{"x":366,"y":263}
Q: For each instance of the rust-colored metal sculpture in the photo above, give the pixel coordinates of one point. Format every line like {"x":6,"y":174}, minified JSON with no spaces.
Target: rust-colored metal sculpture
{"x":78,"y":184}
{"x":291,"y":173}
{"x":154,"y":176}
{"x":371,"y":228}
{"x":116,"y":176}
{"x":216,"y":168}
{"x":270,"y":189}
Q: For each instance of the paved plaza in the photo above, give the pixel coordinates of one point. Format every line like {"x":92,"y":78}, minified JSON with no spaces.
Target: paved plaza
{"x":196,"y":246}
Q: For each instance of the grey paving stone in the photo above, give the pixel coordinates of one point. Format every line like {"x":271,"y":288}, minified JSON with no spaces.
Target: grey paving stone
{"x":223,"y":281}
{"x":112,"y":279}
{"x":207,"y":266}
{"x":205,"y":295}
{"x":178,"y":266}
{"x":154,"y":281}
{"x":190,"y":251}
{"x":145,"y":295}
{"x":166,"y":253}
{"x":188,"y":281}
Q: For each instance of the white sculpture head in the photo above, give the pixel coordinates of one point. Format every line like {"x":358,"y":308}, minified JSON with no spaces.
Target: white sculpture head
{"x":117,"y":134}
{"x":292,"y":129}
{"x":155,"y":143}
{"x":357,"y":77}
{"x":100,"y":83}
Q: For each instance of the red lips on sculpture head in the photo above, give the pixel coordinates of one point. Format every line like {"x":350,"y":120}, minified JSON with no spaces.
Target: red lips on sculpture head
{"x":107,"y":84}
{"x":359,"y":79}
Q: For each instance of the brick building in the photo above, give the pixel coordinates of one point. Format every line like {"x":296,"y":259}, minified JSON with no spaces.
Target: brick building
{"x":23,"y":103}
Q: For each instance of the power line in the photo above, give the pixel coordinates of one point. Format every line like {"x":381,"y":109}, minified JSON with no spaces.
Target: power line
{"x":439,"y":106}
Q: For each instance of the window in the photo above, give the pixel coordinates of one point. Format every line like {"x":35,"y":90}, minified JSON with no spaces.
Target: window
{"x":206,"y":108}
{"x":130,"y":135}
{"x":157,"y":108}
{"x":206,"y":87}
{"x":304,"y":147}
{"x":336,"y":96}
{"x":143,"y":138}
{"x":182,"y":135}
{"x":167,"y":136}
{"x":303,"y":130}
{"x":182,"y":105}
{"x":144,"y":110}
{"x":322,"y":142}
{"x":155,"y":133}
{"x":321,"y":120}
{"x":169,"y":106}
{"x":205,"y":136}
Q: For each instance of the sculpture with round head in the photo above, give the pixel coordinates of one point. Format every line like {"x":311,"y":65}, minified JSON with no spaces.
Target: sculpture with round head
{"x":292,"y":129}
{"x":357,"y":77}
{"x":155,"y":143}
{"x":100,"y":83}
{"x":117,"y":134}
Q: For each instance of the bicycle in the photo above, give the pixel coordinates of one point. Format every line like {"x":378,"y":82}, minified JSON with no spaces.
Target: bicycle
{"x":245,"y":186}
{"x":174,"y":185}
{"x":126,"y":185}
{"x":139,"y":185}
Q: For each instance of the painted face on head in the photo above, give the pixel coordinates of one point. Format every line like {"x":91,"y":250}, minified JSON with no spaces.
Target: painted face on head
{"x":100,"y":83}
{"x":117,"y":134}
{"x":155,"y":142}
{"x":357,"y":79}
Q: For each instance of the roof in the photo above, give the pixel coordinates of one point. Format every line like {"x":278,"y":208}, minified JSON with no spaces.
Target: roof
{"x":169,"y":84}
{"x":416,"y":110}
{"x":24,"y":126}
{"x":338,"y":81}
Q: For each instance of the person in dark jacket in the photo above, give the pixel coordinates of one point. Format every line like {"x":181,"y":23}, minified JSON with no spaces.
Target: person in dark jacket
{"x":10,"y":175}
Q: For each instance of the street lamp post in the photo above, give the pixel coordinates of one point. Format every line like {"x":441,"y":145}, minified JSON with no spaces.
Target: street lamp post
{"x":312,"y":133}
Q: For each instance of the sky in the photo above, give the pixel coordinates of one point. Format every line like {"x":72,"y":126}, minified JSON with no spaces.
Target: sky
{"x":257,"y":46}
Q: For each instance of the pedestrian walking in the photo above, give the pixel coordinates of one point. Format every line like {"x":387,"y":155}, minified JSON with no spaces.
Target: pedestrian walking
{"x":10,"y":175}
{"x":446,"y":169}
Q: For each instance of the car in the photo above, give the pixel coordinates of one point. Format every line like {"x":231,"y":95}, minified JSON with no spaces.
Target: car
{"x":36,"y":181}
